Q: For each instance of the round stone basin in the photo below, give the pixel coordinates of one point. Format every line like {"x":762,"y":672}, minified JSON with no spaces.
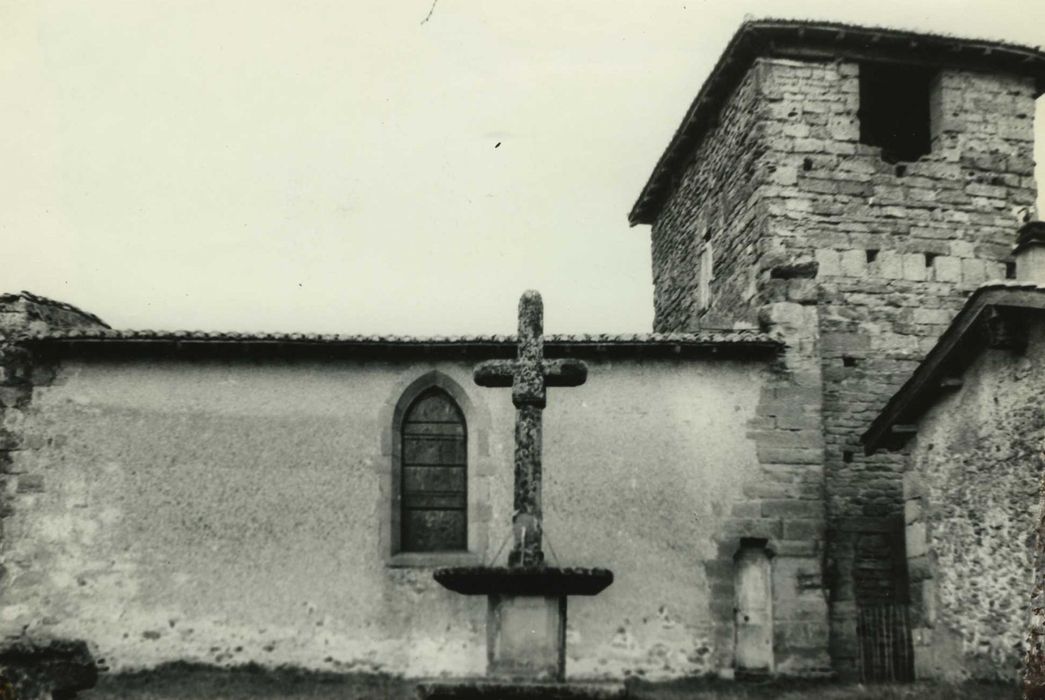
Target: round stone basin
{"x":524,"y":581}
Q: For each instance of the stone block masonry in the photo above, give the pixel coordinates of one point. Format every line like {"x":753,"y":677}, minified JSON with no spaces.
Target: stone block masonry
{"x":716,"y":201}
{"x":58,"y":668}
{"x":971,"y":509}
{"x":886,"y":252}
{"x":912,"y":240}
{"x":782,"y":510}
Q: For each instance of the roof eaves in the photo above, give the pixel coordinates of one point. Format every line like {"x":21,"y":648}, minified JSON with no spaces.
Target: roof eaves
{"x":956,"y":348}
{"x":737,"y":337}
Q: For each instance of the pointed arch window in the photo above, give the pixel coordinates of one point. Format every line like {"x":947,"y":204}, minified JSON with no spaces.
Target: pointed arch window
{"x":433,"y":478}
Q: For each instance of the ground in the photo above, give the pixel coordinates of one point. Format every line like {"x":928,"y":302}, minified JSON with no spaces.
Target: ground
{"x":180,"y":682}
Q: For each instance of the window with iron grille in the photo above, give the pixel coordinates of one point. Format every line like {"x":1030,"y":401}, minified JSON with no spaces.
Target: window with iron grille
{"x":433,"y":480}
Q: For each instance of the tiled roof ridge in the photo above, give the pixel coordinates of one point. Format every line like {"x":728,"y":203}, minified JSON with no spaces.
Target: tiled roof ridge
{"x":698,"y":337}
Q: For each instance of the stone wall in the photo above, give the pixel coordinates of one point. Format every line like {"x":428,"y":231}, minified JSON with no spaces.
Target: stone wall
{"x":971,"y":511}
{"x":716,"y":198}
{"x":229,"y":511}
{"x":25,"y":312}
{"x":887,"y":252}
{"x":898,"y":247}
{"x":786,"y":504}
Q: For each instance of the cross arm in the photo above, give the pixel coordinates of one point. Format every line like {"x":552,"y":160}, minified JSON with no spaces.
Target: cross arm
{"x":496,"y":373}
{"x":567,"y":372}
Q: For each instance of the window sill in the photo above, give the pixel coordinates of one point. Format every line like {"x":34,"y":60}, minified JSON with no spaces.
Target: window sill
{"x":433,"y":559}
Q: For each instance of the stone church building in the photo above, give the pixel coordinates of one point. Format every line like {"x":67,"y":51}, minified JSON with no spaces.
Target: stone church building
{"x":832,"y":200}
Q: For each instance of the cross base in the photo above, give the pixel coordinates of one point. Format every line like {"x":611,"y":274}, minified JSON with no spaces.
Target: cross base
{"x":486,"y":689}
{"x":526,"y":637}
{"x":525,"y":626}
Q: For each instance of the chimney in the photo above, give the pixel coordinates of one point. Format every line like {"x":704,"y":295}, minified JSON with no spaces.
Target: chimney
{"x":1030,"y":253}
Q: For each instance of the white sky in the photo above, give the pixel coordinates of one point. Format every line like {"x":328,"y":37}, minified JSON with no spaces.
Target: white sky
{"x":330,"y":166}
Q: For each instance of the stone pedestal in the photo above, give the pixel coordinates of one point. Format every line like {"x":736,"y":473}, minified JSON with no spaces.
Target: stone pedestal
{"x":525,"y":632}
{"x":490,"y":689}
{"x":526,"y":637}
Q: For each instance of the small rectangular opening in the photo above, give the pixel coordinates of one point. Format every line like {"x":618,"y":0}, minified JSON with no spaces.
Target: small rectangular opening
{"x":847,"y":456}
{"x":1010,"y":270}
{"x":848,"y":361}
{"x":705,"y":273}
{"x":930,"y":258}
{"x":872,"y":254}
{"x":894,"y":110}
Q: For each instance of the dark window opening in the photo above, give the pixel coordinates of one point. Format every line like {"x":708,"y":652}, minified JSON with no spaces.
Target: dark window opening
{"x":872,"y":254}
{"x":930,"y":258}
{"x":1010,"y":270}
{"x":848,"y":361}
{"x":807,"y":164}
{"x":847,"y":457}
{"x":894,"y":110}
{"x":434,"y":477}
{"x":901,"y":170}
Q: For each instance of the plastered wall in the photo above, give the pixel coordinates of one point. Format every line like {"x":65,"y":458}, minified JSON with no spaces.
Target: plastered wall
{"x":230,"y":512}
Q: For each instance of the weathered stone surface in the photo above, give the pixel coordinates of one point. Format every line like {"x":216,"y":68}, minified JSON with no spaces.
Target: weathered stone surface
{"x":526,"y":637}
{"x":971,"y":496}
{"x":24,"y":313}
{"x":1034,"y":654}
{"x":528,"y":376}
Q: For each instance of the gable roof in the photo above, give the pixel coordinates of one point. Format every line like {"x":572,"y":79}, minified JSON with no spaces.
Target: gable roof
{"x":963,"y":341}
{"x":817,"y":41}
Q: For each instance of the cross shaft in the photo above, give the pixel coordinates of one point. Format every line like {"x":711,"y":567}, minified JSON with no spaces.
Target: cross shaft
{"x":529,"y":375}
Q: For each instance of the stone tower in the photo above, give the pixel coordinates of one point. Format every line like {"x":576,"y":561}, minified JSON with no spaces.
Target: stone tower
{"x":874,"y":177}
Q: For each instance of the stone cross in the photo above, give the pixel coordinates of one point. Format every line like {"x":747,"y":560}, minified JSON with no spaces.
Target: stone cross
{"x":529,"y":375}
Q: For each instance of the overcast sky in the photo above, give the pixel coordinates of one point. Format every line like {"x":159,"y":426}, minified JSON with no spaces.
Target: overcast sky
{"x":335,"y":167}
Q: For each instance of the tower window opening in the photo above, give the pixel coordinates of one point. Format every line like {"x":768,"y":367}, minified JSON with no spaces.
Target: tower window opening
{"x":1010,"y":270}
{"x":930,"y":258}
{"x":894,"y":110}
{"x":871,"y":254}
{"x":705,"y":274}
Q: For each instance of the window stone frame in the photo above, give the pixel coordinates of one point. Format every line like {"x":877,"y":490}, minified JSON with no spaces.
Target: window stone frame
{"x":477,"y":430}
